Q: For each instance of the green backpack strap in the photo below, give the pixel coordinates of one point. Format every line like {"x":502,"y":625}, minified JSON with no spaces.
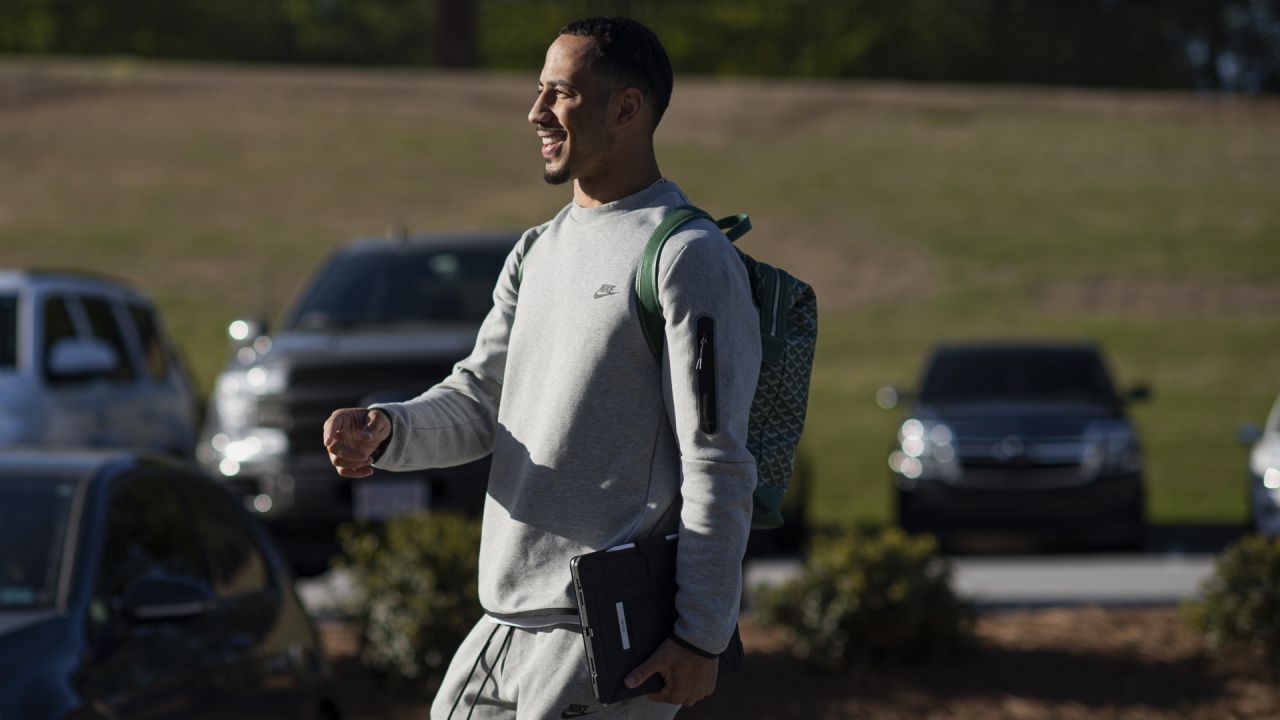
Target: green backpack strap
{"x":651,"y":321}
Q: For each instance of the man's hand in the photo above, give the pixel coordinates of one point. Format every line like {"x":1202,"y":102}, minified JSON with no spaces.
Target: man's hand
{"x":687,"y":676}
{"x":351,"y":435}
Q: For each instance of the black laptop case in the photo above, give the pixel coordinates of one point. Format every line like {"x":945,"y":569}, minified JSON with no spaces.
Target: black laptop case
{"x":626,"y":600}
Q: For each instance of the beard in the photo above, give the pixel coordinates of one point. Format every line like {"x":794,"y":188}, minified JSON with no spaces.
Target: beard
{"x":558,"y":176}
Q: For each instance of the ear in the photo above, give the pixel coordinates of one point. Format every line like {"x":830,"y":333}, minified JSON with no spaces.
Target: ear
{"x":628,"y":106}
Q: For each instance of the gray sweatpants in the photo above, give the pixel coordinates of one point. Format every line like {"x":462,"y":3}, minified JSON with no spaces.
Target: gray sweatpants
{"x":513,"y":673}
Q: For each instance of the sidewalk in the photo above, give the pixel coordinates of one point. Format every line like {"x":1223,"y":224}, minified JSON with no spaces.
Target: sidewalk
{"x":1042,"y":581}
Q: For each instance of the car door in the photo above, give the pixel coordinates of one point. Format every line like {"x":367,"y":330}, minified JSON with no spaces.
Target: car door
{"x":156,"y":668}
{"x":74,"y":411}
{"x":163,"y":393}
{"x":266,"y":641}
{"x":126,"y":405}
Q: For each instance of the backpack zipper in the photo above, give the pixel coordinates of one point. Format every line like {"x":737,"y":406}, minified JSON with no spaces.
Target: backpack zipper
{"x":705,"y":376}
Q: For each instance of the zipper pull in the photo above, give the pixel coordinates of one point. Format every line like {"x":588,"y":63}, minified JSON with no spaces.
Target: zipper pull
{"x":702,"y":346}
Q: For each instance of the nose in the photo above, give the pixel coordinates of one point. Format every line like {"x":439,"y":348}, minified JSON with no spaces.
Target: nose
{"x":539,"y":111}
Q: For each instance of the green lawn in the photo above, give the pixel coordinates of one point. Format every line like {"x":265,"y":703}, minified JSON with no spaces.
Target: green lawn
{"x":1148,"y":222}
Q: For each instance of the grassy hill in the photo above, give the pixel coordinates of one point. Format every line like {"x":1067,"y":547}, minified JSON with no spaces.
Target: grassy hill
{"x":1148,"y":222}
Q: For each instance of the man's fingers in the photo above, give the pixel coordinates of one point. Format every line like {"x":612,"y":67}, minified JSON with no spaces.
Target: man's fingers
{"x":349,"y":460}
{"x":643,"y":672}
{"x":358,"y":472}
{"x":347,"y":421}
{"x":668,"y":694}
{"x":377,"y":425}
{"x":351,"y":436}
{"x":351,"y":445}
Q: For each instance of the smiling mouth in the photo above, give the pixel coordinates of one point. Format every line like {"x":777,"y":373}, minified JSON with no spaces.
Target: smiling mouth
{"x":552,"y":140}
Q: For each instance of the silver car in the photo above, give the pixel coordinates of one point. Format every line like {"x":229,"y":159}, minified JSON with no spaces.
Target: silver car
{"x":1264,"y":473}
{"x":84,"y":362}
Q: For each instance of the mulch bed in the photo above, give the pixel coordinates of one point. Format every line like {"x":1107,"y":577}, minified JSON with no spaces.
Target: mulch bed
{"x":1060,"y":664}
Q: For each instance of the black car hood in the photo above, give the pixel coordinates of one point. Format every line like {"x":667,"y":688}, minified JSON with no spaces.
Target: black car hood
{"x":998,"y":418}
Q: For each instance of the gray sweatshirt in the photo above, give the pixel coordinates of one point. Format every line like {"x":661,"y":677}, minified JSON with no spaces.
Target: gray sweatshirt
{"x":593,"y":444}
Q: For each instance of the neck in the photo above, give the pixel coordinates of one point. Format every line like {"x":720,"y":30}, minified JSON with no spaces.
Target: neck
{"x":623,"y":179}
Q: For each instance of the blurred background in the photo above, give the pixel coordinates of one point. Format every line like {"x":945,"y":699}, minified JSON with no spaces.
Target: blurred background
{"x":1102,"y":171}
{"x":1096,"y":176}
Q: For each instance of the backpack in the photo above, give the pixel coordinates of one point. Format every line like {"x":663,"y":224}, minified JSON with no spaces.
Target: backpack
{"x":788,"y":311}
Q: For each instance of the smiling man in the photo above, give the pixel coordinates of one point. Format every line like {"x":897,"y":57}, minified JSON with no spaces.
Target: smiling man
{"x":595,"y":443}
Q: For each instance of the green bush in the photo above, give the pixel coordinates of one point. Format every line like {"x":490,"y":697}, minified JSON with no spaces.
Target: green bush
{"x":1241,"y":600}
{"x":415,"y":592}
{"x":863,"y":599}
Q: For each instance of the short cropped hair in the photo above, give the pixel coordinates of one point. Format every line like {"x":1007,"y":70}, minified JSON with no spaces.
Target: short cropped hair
{"x":630,"y":54}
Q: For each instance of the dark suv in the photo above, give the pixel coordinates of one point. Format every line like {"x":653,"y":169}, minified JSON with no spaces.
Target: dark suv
{"x":1031,"y":438}
{"x":384,"y":319}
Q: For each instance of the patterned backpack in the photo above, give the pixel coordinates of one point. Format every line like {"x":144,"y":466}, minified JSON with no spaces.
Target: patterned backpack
{"x":788,"y":334}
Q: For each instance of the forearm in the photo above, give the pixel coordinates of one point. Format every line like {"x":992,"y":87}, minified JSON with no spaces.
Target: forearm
{"x":450,"y":424}
{"x":714,"y":525}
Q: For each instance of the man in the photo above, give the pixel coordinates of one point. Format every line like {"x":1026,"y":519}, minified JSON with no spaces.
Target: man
{"x":594,"y":443}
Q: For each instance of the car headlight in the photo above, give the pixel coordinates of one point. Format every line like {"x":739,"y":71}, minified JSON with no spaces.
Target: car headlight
{"x":926,"y":449}
{"x":1111,"y":446}
{"x":235,"y":403}
{"x":236,"y":393}
{"x":256,"y":444}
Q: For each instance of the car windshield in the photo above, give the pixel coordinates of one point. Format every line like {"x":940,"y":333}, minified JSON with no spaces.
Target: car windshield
{"x":401,"y":286}
{"x":8,"y":331}
{"x":34,"y":515}
{"x":1017,"y":374}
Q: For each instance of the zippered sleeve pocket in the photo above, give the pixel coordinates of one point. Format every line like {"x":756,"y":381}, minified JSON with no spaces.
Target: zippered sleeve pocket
{"x":705,"y":374}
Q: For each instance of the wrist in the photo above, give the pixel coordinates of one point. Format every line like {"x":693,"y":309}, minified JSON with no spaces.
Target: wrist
{"x":693,"y":648}
{"x":386,"y":441}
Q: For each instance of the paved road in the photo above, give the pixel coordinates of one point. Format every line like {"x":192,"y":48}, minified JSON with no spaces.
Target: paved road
{"x":1137,"y":579}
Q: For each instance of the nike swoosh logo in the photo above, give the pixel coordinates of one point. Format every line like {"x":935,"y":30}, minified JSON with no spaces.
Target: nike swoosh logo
{"x":566,"y":714}
{"x":600,"y":294}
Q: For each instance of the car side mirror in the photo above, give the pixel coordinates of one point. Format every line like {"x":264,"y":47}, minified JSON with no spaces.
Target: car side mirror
{"x":1138,"y":392}
{"x":890,"y":397}
{"x":166,"y":597}
{"x":77,"y":357}
{"x":1248,"y":434}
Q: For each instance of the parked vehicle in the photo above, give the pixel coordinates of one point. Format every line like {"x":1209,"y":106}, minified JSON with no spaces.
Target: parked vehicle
{"x":383,"y":319}
{"x":133,"y":587}
{"x":84,"y":361}
{"x":1264,"y":473}
{"x":1030,"y":438}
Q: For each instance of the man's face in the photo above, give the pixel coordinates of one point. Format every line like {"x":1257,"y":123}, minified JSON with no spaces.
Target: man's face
{"x":571,"y":112}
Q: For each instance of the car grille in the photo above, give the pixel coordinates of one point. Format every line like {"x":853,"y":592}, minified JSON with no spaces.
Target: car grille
{"x":315,"y":391}
{"x":1022,"y":462}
